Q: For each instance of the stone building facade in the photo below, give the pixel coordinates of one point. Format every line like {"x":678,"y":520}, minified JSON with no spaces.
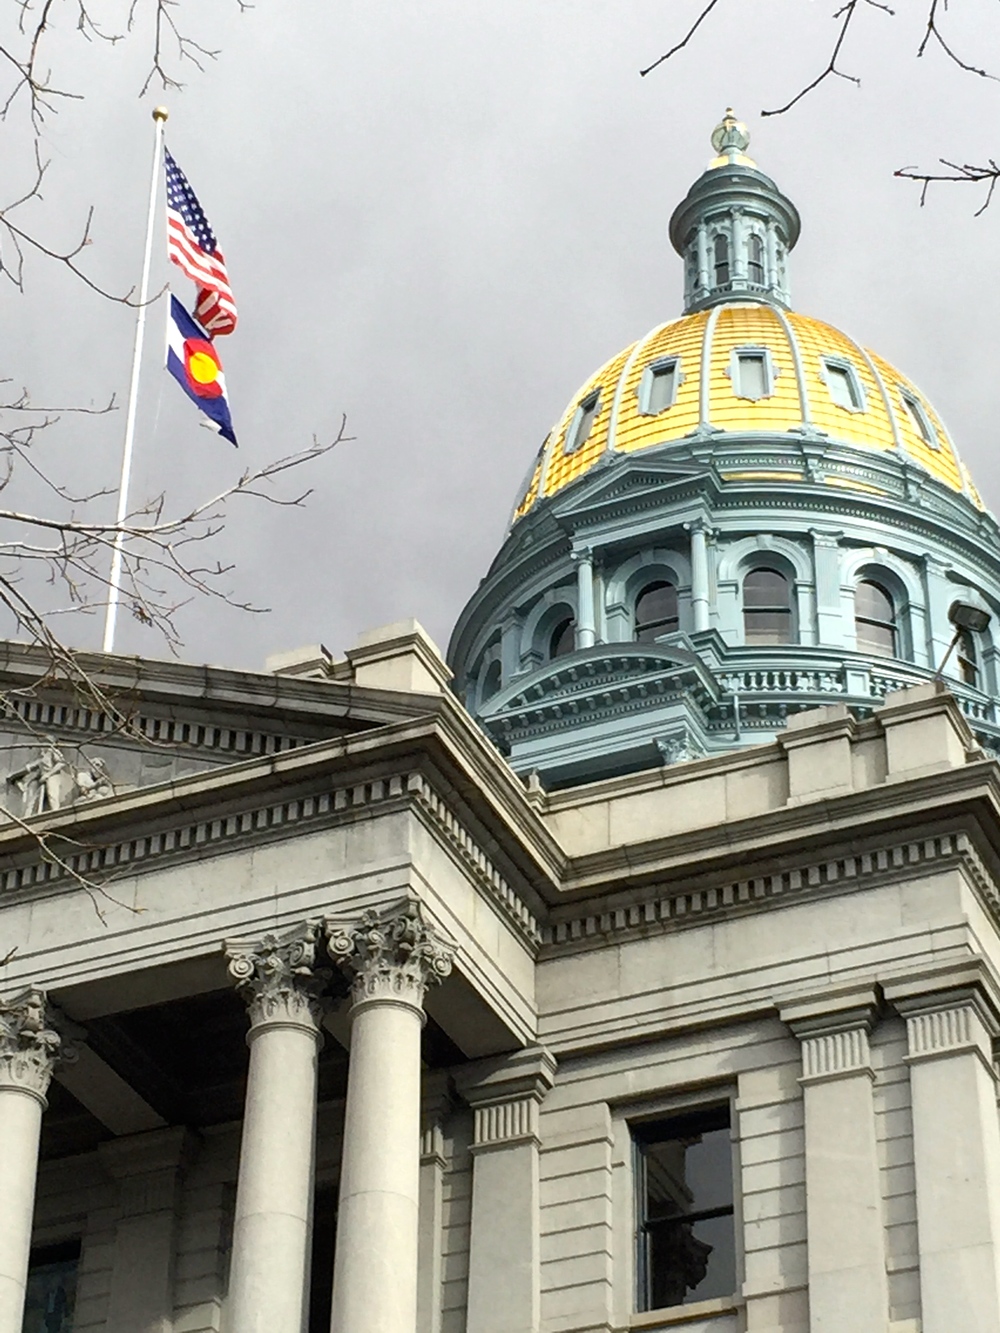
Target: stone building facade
{"x":643,"y":974}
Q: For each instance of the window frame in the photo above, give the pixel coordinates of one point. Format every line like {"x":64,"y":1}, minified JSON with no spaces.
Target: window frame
{"x":648,"y":1117}
{"x":734,"y":371}
{"x":646,"y":381}
{"x":918,"y":418}
{"x":842,"y":364}
{"x":893,"y":624}
{"x":791,"y":608}
{"x":590,"y":402}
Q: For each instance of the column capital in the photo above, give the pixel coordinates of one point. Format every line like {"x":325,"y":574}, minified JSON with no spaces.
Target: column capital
{"x":277,"y":979}
{"x":30,"y":1045}
{"x":505,"y":1094}
{"x":833,"y":1028}
{"x":390,"y":955}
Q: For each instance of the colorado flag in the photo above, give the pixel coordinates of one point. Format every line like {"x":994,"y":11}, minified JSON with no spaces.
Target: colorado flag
{"x":195,"y":365}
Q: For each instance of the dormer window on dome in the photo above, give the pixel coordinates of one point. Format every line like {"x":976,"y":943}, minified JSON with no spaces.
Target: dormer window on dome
{"x":658,"y":386}
{"x":920,"y":419}
{"x":583,"y":422}
{"x":844,"y":385}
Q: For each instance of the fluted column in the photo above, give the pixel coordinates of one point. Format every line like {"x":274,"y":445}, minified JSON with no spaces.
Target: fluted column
{"x":271,"y":1228}
{"x":846,"y":1240}
{"x":956,"y":1156}
{"x":30,"y":1048}
{"x":392,"y":957}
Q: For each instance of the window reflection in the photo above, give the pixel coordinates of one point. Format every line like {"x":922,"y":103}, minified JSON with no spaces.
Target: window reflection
{"x":686,"y":1237}
{"x":51,"y":1292}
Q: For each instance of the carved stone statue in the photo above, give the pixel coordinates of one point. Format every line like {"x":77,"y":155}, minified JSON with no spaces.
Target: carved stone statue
{"x":50,"y":781}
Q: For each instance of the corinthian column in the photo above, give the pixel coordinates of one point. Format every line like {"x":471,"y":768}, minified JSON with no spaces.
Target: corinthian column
{"x":270,"y":1264}
{"x":29,"y":1051}
{"x":392,"y":958}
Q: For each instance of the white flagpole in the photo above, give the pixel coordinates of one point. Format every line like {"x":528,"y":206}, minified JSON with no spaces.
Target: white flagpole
{"x":114,"y":582}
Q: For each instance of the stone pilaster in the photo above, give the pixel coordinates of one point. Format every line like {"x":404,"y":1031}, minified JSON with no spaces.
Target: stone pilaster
{"x":956,"y":1146}
{"x":30,"y":1049}
{"x":271,"y":1229}
{"x":846,"y":1237}
{"x":437,"y":1100}
{"x":504,"y":1255}
{"x":149,"y":1170}
{"x":391,"y":956}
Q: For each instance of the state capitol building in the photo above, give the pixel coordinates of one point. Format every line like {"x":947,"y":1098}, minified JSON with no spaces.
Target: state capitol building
{"x":633,"y":967}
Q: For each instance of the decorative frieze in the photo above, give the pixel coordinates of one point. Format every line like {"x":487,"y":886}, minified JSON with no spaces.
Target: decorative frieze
{"x":30,"y":1046}
{"x":277,"y":979}
{"x":390,"y":955}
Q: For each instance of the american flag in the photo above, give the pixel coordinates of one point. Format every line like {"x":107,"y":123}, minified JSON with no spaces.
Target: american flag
{"x":191,"y":244}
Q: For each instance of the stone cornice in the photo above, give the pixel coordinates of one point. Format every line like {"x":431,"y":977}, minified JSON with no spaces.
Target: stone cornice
{"x":966,"y":795}
{"x":662,"y":907}
{"x":170,"y":688}
{"x":321,"y":782}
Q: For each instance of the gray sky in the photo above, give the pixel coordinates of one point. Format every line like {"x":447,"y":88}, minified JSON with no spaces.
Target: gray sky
{"x":439,"y":219}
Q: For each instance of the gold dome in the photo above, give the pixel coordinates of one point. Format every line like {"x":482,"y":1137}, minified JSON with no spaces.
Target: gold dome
{"x":810,"y":372}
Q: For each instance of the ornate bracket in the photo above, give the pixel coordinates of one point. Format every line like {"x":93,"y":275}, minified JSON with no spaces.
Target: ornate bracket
{"x":276,"y":977}
{"x":390,"y":955}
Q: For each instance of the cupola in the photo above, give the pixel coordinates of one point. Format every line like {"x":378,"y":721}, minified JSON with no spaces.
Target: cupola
{"x":734,"y":228}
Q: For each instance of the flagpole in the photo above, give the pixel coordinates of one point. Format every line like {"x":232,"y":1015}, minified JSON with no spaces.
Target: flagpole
{"x":114,"y":582}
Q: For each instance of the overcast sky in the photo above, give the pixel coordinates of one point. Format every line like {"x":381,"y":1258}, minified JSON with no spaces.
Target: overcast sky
{"x":440,"y":218}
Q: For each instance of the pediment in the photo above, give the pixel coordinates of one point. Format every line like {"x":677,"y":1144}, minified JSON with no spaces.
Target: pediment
{"x":660,"y":471}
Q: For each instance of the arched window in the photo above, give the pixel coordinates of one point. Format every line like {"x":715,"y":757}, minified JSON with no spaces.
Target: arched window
{"x":767,"y":607}
{"x":563,"y":638}
{"x":721,"y":261}
{"x":968,"y":658}
{"x":655,"y":611}
{"x":491,"y":682}
{"x":874,"y":620}
{"x":755,"y":259}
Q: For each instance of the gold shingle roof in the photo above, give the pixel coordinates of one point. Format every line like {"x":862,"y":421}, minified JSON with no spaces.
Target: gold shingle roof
{"x":703,"y":347}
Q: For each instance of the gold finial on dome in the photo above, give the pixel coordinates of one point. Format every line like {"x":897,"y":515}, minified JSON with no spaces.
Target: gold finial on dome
{"x":730,"y":139}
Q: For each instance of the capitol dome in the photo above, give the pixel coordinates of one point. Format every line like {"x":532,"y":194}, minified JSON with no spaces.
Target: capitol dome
{"x":746,"y":369}
{"x":743,"y":514}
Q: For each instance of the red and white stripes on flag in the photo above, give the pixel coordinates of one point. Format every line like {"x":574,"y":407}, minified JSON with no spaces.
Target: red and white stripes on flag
{"x":192,"y":246}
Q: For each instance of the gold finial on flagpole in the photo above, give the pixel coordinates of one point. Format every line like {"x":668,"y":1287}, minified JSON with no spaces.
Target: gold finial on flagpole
{"x":160,"y":113}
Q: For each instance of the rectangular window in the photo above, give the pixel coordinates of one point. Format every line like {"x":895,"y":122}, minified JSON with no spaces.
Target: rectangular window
{"x":752,"y":375}
{"x":51,"y":1294}
{"x":843,"y":387}
{"x":685,"y":1232}
{"x":662,"y":386}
